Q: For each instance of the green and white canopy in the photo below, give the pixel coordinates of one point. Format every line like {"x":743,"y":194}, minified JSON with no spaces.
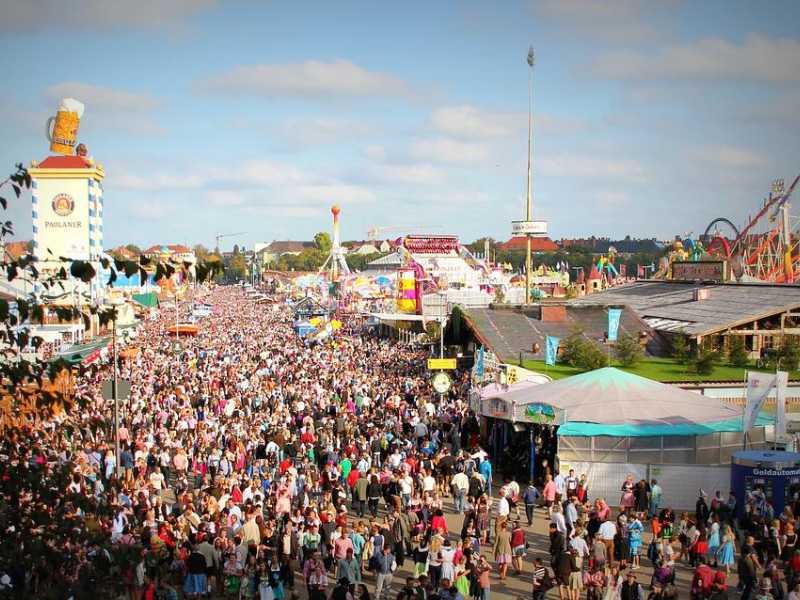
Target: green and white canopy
{"x":612,"y":402}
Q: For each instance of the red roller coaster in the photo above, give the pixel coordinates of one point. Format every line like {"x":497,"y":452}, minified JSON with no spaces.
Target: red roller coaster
{"x":766,"y":248}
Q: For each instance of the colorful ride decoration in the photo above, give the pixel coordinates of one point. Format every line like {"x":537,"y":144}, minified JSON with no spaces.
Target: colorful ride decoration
{"x":407,"y":290}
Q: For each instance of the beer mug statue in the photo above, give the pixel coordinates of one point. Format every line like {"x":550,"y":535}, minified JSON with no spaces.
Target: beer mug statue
{"x":62,"y":130}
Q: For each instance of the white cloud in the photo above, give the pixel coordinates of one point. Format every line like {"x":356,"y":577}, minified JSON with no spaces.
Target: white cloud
{"x":150,"y":211}
{"x":472,"y":122}
{"x":467,"y":121}
{"x":759,"y":58}
{"x":309,"y":79}
{"x":375,"y":152}
{"x":36,"y":15}
{"x":730,"y":156}
{"x":446,"y":150}
{"x":621,"y":21}
{"x":257,"y":185}
{"x":570,"y":165}
{"x":109,"y":108}
{"x":415,"y":174}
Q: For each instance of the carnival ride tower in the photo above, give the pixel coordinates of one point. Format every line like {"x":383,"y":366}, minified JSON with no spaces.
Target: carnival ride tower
{"x":335,"y":264}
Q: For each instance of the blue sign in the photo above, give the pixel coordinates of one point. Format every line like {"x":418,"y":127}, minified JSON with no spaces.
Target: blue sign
{"x":551,"y":350}
{"x":614,"y":315}
{"x":479,"y":364}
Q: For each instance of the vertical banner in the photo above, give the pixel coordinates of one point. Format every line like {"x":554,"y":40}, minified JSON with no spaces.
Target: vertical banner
{"x":758,"y":388}
{"x":781,"y":383}
{"x":614,"y":315}
{"x":479,"y":368}
{"x":551,"y":350}
{"x":623,"y":270}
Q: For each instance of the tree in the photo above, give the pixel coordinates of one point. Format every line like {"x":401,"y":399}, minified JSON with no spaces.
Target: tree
{"x":579,"y":351}
{"x":789,"y":354}
{"x":737,"y":353}
{"x":201,"y":252}
{"x":322,"y":242}
{"x":237,"y":268}
{"x":134,"y":248}
{"x":42,"y":521}
{"x":705,"y":359}
{"x":628,"y":350}
{"x":235,"y":249}
{"x":680,"y":347}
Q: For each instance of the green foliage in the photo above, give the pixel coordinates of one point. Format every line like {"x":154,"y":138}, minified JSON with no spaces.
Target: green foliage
{"x":628,"y":350}
{"x":310,"y":259}
{"x":237,"y":267}
{"x":499,"y":295}
{"x":737,"y":353}
{"x":582,"y":353}
{"x":358,"y":262}
{"x":681,"y":348}
{"x":323,"y":243}
{"x":201,"y":252}
{"x":705,"y":359}
{"x":133,"y":248}
{"x":789,"y":354}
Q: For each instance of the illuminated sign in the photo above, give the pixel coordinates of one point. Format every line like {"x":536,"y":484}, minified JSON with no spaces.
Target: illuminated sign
{"x":706,"y":270}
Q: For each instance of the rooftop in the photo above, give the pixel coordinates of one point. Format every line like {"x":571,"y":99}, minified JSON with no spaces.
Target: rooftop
{"x":538,"y":244}
{"x":670,"y":305}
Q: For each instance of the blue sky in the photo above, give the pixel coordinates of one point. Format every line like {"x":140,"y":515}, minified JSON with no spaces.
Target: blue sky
{"x":651,"y":118}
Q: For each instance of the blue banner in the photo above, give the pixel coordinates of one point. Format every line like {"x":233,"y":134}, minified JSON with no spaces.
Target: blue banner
{"x":550,"y":349}
{"x":614,"y":315}
{"x":479,"y":364}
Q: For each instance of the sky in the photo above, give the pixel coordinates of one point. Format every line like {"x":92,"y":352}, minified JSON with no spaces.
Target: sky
{"x":226,"y":116}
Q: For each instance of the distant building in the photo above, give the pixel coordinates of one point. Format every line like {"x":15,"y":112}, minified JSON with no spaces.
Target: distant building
{"x":123,"y":253}
{"x":270,"y":253}
{"x":175,"y":252}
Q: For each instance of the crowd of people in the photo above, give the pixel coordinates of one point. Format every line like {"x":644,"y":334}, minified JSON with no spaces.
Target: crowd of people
{"x":254,"y":464}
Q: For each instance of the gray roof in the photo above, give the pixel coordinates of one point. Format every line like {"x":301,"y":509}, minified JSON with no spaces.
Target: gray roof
{"x":670,"y":305}
{"x":507,"y":330}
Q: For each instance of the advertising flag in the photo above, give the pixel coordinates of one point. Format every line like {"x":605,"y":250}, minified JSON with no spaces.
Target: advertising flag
{"x":781,"y":382}
{"x":758,"y":388}
{"x":550,"y":350}
{"x":614,"y":315}
{"x":479,"y":368}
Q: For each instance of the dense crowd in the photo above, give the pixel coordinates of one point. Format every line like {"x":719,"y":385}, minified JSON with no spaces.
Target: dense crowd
{"x":255,"y":464}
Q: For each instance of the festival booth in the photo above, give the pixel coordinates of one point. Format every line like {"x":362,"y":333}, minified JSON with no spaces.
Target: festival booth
{"x":608,"y":423}
{"x":760,"y":477}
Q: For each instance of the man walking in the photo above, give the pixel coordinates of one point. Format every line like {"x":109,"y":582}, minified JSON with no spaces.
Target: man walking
{"x":385,"y":567}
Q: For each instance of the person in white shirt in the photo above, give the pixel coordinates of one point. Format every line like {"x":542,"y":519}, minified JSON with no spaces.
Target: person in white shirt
{"x":503,"y":507}
{"x":606,"y":534}
{"x":460,"y":483}
{"x":157,"y":479}
{"x":558,"y":519}
{"x":561,"y":487}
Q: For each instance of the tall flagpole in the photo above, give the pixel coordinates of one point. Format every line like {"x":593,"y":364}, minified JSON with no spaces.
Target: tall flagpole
{"x":529,"y":209}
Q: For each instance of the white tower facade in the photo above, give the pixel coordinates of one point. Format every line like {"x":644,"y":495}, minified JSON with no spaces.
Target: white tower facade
{"x":67,"y":212}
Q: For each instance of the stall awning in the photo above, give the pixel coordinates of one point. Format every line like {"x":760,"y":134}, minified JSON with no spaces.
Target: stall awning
{"x":84,"y":353}
{"x":149,"y":299}
{"x":610,"y":398}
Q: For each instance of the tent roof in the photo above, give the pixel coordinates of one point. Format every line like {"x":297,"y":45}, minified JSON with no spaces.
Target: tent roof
{"x":612,"y":397}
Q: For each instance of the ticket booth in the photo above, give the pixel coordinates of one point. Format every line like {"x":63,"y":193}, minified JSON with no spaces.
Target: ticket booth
{"x":775,"y":476}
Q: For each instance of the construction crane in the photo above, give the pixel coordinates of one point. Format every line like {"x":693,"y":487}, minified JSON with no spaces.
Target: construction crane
{"x":375,"y":231}
{"x":219,"y":236}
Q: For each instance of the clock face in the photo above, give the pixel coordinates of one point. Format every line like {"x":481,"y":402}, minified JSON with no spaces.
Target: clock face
{"x":441,"y":382}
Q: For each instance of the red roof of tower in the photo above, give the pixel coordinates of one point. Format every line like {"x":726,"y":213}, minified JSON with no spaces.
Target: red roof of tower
{"x":64,"y":162}
{"x":594,"y":273}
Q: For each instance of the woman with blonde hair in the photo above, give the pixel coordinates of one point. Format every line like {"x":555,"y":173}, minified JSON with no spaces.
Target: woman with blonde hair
{"x":726,"y":555}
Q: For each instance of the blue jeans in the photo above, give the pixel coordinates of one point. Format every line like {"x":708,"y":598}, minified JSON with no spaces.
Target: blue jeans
{"x":459,"y":501}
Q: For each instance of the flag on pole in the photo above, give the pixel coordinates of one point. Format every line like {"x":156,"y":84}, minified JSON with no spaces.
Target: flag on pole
{"x":758,"y":388}
{"x":781,"y":383}
{"x":614,"y":315}
{"x":551,"y":350}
